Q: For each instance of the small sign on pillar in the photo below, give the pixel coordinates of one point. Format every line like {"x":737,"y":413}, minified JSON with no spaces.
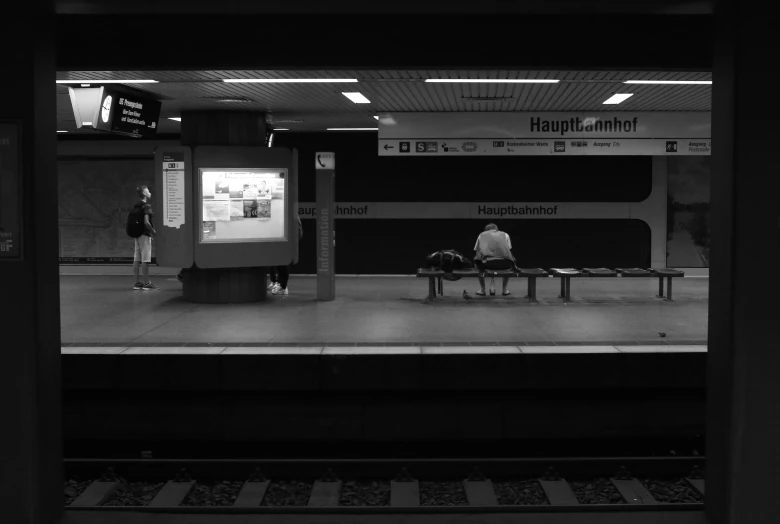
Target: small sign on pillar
{"x":325,"y":164}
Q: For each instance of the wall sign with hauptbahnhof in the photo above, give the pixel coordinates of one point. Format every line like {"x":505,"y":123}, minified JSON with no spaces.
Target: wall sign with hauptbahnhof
{"x":521,"y":134}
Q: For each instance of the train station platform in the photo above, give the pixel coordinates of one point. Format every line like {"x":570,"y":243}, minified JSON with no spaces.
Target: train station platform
{"x":377,"y":311}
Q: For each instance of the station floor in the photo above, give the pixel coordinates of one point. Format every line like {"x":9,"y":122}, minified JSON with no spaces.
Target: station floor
{"x":385,"y":311}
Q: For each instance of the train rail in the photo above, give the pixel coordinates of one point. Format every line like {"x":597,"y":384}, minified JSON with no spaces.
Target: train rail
{"x":377,"y":486}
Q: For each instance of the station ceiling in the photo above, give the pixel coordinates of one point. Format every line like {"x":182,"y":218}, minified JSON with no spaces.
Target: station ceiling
{"x":318,"y":106}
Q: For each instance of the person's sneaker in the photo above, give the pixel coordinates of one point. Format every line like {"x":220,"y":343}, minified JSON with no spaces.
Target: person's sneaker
{"x":149,"y":286}
{"x":279,"y":291}
{"x":138,"y":285}
{"x":271,"y":286}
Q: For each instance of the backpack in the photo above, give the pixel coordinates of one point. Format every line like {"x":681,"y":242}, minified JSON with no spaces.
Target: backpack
{"x":447,"y":260}
{"x":135,"y":222}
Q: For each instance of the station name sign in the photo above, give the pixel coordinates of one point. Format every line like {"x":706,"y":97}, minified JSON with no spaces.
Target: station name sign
{"x":508,"y":134}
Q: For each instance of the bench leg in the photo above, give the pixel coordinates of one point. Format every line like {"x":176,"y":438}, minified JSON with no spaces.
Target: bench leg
{"x":669,"y":289}
{"x":441,"y":287}
{"x":431,"y":288}
{"x":660,"y":287}
{"x":531,"y":290}
{"x":563,"y":288}
{"x":568,"y":289}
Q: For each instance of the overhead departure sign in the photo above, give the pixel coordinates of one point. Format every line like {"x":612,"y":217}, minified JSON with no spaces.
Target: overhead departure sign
{"x":520,"y":134}
{"x":128,"y":113}
{"x":115,"y":109}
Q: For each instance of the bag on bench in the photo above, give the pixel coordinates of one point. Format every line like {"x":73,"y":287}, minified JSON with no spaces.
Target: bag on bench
{"x":448,"y":260}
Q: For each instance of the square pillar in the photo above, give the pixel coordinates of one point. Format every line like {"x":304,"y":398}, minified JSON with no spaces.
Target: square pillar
{"x":743,"y":362}
{"x":30,"y":438}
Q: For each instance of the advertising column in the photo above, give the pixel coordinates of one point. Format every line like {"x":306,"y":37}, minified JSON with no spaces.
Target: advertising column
{"x":325,"y":164}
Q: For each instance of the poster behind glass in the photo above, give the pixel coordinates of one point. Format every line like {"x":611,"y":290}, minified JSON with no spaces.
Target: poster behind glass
{"x":243,"y":205}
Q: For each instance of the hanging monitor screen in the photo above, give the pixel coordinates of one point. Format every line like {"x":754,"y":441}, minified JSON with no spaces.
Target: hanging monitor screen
{"x":242,"y":205}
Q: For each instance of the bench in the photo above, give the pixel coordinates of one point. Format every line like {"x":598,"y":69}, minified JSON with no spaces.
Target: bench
{"x":566,"y":274}
{"x":435,"y":278}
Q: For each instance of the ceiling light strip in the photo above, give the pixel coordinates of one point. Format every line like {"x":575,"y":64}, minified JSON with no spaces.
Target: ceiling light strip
{"x":356,"y":97}
{"x":618,"y":98}
{"x":670,"y":82}
{"x":491,"y":81}
{"x":107,"y":81}
{"x":289,"y":80}
{"x":353,"y":129}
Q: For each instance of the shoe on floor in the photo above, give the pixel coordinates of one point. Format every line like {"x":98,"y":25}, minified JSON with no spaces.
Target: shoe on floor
{"x":138,"y":285}
{"x":271,"y":286}
{"x":279,"y":291}
{"x":149,"y":286}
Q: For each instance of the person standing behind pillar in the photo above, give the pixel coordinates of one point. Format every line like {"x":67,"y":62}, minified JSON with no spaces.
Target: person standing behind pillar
{"x":143,"y":243}
{"x":281,"y":274}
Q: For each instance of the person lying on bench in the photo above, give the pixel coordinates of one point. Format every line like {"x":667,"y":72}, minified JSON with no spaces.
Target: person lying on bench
{"x":493,"y":249}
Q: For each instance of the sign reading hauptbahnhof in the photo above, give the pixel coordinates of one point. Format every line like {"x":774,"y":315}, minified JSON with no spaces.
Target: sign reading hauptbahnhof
{"x":509,"y":134}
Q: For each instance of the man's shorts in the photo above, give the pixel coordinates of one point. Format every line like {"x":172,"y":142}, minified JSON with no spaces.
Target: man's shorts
{"x":143,"y":249}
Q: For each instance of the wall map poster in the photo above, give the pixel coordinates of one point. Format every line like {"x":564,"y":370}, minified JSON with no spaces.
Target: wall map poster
{"x":10,"y":192}
{"x":95,"y":198}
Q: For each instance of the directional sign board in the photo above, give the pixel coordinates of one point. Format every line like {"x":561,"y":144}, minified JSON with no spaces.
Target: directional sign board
{"x":325,"y":161}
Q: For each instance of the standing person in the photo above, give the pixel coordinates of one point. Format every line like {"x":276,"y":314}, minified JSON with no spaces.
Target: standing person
{"x":143,"y":243}
{"x":281,"y":274}
{"x":493,"y":249}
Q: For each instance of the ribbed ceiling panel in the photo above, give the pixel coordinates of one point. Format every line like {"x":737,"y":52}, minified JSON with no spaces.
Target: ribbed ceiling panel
{"x":322,"y":105}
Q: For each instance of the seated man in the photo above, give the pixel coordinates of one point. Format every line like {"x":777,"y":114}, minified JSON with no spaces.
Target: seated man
{"x":493,"y":249}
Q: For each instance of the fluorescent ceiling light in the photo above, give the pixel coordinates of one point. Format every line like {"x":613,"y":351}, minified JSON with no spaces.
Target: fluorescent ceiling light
{"x":617,"y":98}
{"x":281,"y":129}
{"x":376,"y":117}
{"x":107,"y":81}
{"x":289,"y":80}
{"x":491,"y":80}
{"x":177,"y":118}
{"x":353,"y":129}
{"x":357,"y":97}
{"x":62,"y":131}
{"x":692,"y":82}
{"x":86,"y":123}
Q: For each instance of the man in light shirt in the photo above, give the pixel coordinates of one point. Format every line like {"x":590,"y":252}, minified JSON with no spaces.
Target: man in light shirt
{"x":493,"y":251}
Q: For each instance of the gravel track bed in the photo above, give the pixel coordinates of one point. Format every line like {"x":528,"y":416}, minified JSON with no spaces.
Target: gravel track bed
{"x":365,"y":493}
{"x":73,"y":488}
{"x":217,"y":494}
{"x":671,"y":491}
{"x":520,"y":493}
{"x":288,"y":493}
{"x":135,"y":494}
{"x":442,"y":494}
{"x":596,"y":491}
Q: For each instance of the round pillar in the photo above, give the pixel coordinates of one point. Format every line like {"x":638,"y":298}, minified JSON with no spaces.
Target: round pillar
{"x":223,"y":128}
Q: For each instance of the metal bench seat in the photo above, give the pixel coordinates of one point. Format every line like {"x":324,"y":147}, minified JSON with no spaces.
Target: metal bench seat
{"x":599,"y":272}
{"x":633,"y":272}
{"x":668,"y":273}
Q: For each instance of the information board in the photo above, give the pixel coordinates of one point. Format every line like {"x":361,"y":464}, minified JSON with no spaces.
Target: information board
{"x":127,"y":112}
{"x":242,"y":205}
{"x":10,"y":192}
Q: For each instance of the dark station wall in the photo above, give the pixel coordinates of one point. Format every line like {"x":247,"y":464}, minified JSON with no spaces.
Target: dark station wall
{"x":398,"y":246}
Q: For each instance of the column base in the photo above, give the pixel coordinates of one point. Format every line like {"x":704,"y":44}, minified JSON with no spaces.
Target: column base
{"x":234,"y":285}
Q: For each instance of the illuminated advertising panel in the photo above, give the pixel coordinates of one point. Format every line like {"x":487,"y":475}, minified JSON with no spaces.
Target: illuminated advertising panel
{"x":242,"y":205}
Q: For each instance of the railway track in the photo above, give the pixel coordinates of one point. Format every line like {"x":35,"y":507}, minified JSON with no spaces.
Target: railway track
{"x":326,"y":486}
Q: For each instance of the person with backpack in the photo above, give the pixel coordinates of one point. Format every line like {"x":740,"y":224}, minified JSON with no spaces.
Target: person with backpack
{"x":281,"y":274}
{"x":140,"y":227}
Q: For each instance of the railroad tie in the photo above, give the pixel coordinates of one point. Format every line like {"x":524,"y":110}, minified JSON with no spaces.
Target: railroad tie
{"x":251,"y":494}
{"x":480,"y":493}
{"x":633,"y":491}
{"x":325,"y":493}
{"x":173,"y":493}
{"x":97,"y":493}
{"x":698,"y":484}
{"x":405,"y":493}
{"x":559,"y":493}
